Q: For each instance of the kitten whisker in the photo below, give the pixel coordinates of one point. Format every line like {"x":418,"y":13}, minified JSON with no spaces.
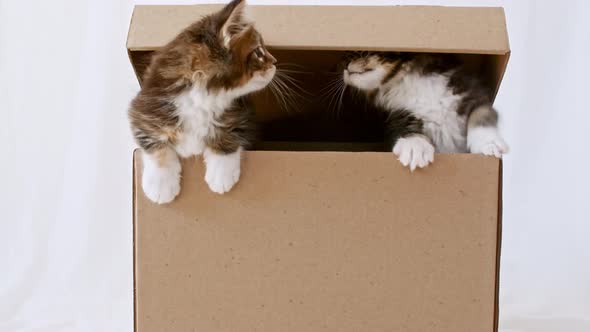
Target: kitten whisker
{"x":282,"y":92}
{"x":341,"y":99}
{"x":293,"y":81}
{"x":334,"y":97}
{"x":277,"y":94}
{"x":294,"y":71}
{"x":330,"y":87}
{"x":330,"y":84}
{"x":287,"y":96}
{"x":332,"y":72}
{"x":329,"y":90}
{"x":281,"y":81}
{"x":343,"y":90}
{"x":287,"y":64}
{"x":280,"y":96}
{"x":285,"y":75}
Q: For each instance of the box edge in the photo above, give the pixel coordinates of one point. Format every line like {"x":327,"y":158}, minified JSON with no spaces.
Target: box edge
{"x":498,"y":247}
{"x":134,"y":237}
{"x":129,"y":49}
{"x":507,"y":53}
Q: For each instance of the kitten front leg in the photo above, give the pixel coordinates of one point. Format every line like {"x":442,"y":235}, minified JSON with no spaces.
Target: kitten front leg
{"x":161,"y":175}
{"x":412,"y":148}
{"x":222,"y":169}
{"x":482,"y":133}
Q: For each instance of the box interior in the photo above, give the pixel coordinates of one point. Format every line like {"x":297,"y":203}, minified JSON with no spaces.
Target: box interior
{"x":314,"y":118}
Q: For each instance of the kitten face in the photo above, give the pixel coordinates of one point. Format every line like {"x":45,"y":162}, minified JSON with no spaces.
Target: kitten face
{"x":222,"y":53}
{"x":368,"y":72}
{"x":239,"y":60}
{"x":253,"y":66}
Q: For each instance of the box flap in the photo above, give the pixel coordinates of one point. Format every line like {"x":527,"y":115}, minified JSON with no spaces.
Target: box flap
{"x":322,"y":242}
{"x":479,"y":30}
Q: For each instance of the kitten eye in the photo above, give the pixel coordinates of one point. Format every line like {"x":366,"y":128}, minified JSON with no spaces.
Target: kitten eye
{"x":361,"y":71}
{"x":259,"y":52}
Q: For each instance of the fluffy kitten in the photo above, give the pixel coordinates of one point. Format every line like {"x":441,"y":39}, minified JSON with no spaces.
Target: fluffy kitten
{"x":433,"y":105}
{"x":191,"y":101}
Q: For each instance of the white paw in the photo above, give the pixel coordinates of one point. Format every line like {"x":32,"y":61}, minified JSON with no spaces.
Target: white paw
{"x":486,"y":141}
{"x":161,"y":185}
{"x":496,"y":147}
{"x":223,"y":171}
{"x":414,"y":151}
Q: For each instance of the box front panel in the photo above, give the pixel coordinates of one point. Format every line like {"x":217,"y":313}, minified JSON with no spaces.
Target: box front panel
{"x":322,"y":242}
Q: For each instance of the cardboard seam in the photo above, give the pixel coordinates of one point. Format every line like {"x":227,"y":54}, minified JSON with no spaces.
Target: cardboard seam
{"x":154,"y":48}
{"x":498,"y":247}
{"x":501,"y":76}
{"x":507,"y":57}
{"x":133,"y":231}
{"x":505,"y":28}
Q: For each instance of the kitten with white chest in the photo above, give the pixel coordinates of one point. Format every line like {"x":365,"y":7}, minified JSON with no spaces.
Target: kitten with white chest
{"x":433,"y":105}
{"x":192,"y":101}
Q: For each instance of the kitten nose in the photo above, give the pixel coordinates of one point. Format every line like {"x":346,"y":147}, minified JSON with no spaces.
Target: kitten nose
{"x":272,"y":58}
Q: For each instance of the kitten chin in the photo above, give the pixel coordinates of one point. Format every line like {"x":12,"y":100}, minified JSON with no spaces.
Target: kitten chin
{"x":433,"y":104}
{"x":192,"y":101}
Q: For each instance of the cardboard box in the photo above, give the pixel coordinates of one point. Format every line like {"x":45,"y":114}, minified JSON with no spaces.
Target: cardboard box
{"x":316,"y":240}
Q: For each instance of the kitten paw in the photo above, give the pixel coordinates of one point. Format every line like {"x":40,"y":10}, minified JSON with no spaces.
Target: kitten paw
{"x":486,"y":141}
{"x":161,"y":185}
{"x":223,"y":171}
{"x":494,"y":148}
{"x":414,"y":151}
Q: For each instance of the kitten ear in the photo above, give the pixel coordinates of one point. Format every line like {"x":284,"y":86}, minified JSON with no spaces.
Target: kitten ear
{"x":234,"y":21}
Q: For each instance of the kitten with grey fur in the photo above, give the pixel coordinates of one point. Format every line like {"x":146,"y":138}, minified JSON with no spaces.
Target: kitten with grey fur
{"x":433,"y":105}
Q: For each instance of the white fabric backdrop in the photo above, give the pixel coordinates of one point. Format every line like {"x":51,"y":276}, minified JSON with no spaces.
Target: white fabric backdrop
{"x":65,"y":171}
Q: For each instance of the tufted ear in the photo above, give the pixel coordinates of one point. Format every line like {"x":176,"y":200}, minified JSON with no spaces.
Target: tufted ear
{"x":234,"y":21}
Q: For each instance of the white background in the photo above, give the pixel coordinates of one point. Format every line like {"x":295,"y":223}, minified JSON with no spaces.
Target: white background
{"x":65,"y":167}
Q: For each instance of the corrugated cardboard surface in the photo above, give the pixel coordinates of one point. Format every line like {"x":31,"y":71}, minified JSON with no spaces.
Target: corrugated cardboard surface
{"x":328,"y":241}
{"x":402,"y":28}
